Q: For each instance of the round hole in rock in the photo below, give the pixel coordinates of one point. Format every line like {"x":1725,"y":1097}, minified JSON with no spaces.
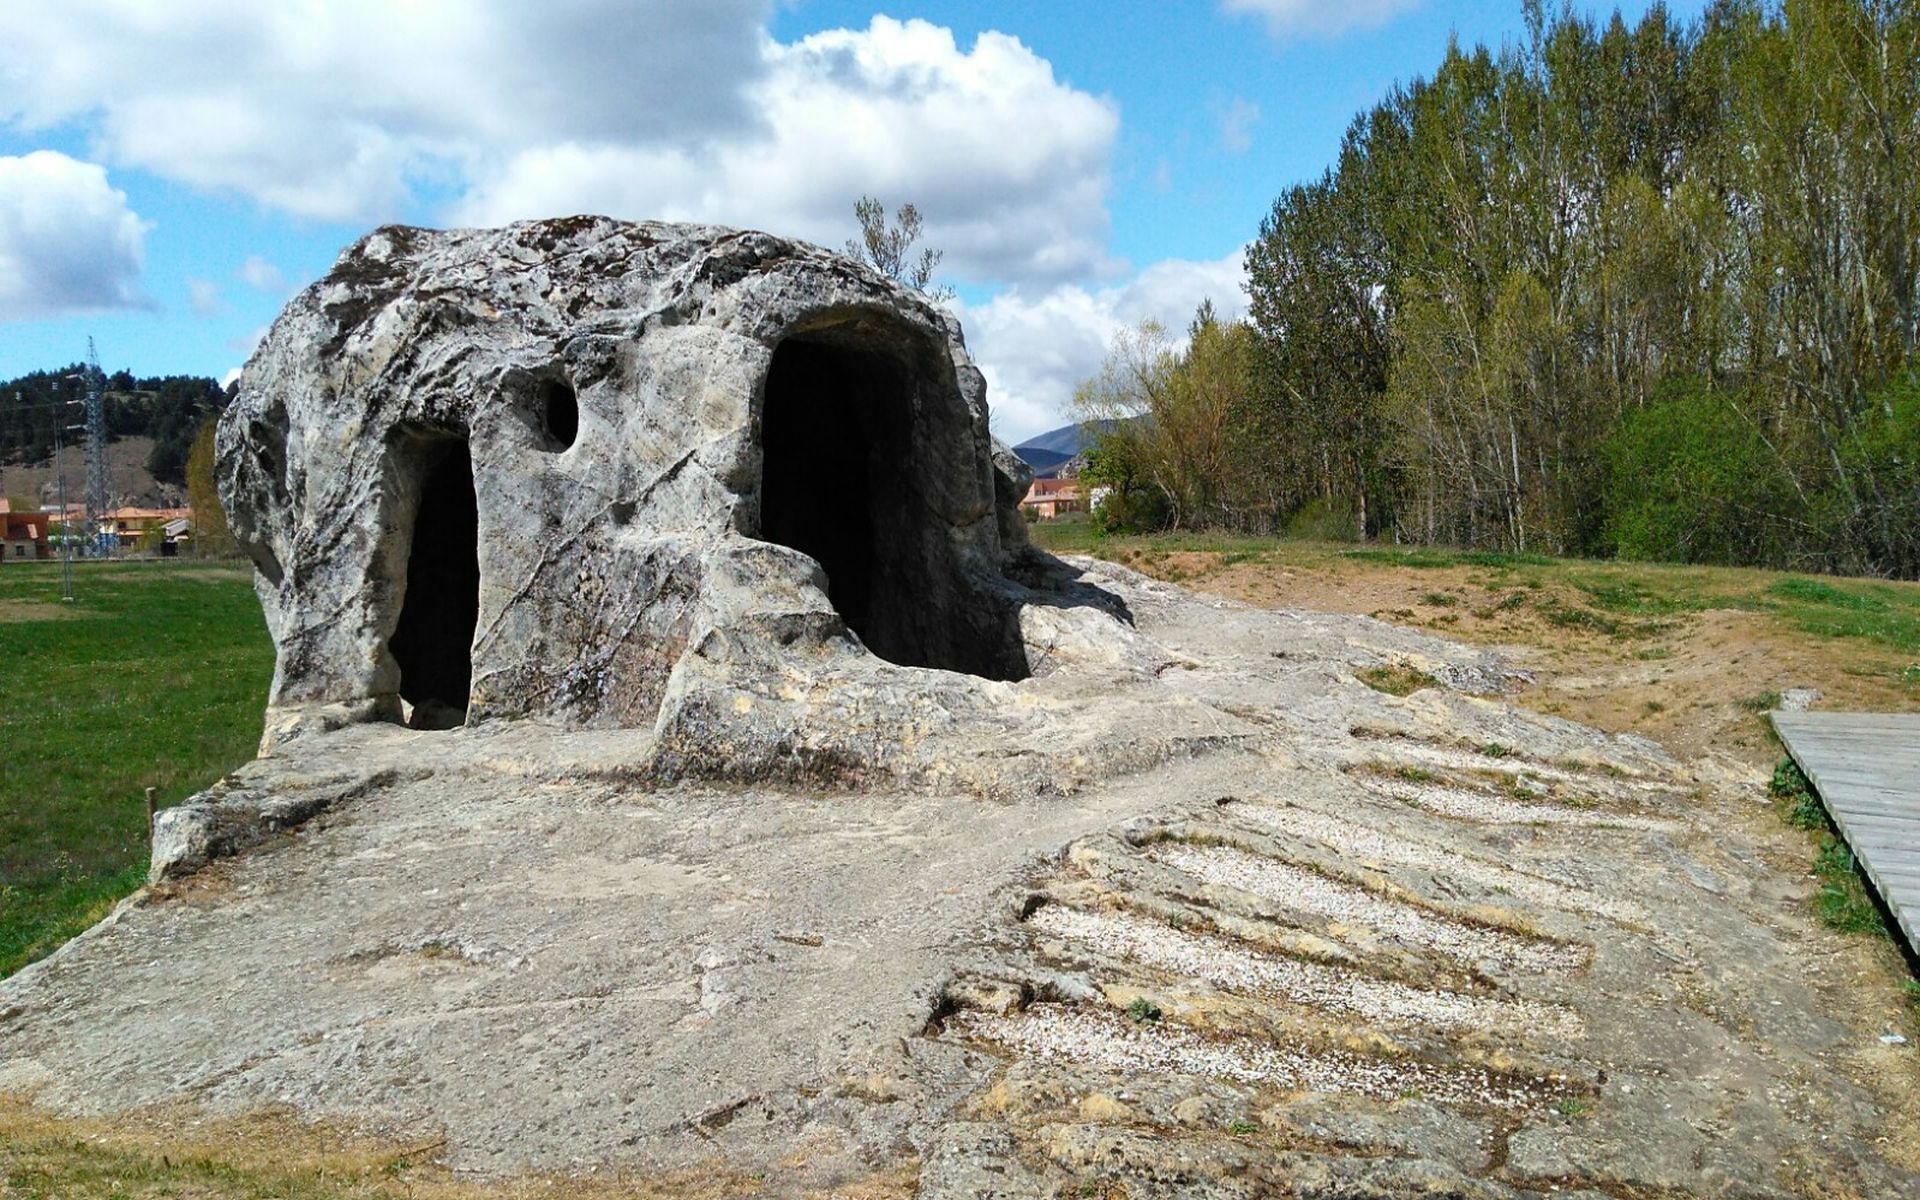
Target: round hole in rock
{"x":559,"y":410}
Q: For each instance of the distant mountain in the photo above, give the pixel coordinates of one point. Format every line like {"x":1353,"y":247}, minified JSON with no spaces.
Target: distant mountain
{"x":1043,"y":462}
{"x":1046,"y":452}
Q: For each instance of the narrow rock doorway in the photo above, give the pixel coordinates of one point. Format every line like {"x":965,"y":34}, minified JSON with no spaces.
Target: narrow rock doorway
{"x":433,"y":639}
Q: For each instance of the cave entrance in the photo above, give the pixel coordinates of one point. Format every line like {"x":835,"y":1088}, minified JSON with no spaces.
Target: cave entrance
{"x":433,"y":640}
{"x":863,"y":434}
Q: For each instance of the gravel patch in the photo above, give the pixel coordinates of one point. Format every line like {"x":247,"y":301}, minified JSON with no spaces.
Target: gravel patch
{"x":1109,"y":1042}
{"x":1467,"y":804}
{"x":1307,"y":891}
{"x":1233,"y":967}
{"x":1351,"y":837}
{"x":1406,"y":749}
{"x":1526,"y":770}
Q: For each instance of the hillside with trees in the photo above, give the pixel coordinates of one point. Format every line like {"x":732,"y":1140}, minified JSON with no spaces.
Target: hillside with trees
{"x":168,"y":409}
{"x":1648,"y":290}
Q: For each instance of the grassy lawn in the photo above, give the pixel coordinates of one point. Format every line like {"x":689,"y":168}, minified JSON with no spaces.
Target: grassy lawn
{"x":155,"y":676}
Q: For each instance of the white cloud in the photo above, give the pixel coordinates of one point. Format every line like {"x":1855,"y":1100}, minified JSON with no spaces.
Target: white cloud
{"x":1035,"y":349}
{"x":68,"y":241}
{"x":361,"y":110}
{"x":1289,"y":17}
{"x":262,"y":276}
{"x":204,"y":296}
{"x":1008,"y":165}
{"x":684,"y":109}
{"x":1237,"y":120}
{"x":332,"y":111}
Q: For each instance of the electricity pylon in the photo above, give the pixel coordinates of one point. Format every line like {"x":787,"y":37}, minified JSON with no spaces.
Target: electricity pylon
{"x":97,"y":501}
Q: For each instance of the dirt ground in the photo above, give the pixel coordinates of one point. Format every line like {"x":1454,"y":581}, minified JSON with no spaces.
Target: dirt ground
{"x":1699,"y":683}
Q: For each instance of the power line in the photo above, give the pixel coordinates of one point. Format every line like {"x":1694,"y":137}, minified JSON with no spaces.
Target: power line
{"x":23,"y":406}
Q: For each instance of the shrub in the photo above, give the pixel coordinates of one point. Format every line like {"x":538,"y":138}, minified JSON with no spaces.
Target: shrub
{"x":1325,"y":520}
{"x":1691,"y":478}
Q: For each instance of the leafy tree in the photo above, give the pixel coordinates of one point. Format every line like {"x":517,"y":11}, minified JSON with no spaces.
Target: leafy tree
{"x":212,"y":537}
{"x":1174,"y":421}
{"x":1678,"y":252}
{"x":1693,"y":477}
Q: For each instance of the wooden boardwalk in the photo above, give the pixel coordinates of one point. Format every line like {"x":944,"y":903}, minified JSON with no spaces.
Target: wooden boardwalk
{"x":1866,"y":767}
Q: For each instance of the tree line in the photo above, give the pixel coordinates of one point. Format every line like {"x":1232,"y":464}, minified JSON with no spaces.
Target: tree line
{"x":1648,"y":290}
{"x":170,"y":409}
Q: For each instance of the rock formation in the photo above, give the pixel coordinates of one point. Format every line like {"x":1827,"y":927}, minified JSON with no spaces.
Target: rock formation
{"x":588,"y":471}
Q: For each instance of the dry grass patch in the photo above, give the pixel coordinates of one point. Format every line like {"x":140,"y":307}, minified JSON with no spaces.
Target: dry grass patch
{"x":177,"y":1154}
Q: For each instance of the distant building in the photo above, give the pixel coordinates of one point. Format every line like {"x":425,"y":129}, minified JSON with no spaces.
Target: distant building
{"x":1050,"y":498}
{"x":26,"y":535}
{"x":130,"y":526}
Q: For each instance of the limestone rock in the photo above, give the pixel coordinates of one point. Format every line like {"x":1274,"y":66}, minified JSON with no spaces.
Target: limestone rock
{"x":601,"y":473}
{"x":665,"y":976}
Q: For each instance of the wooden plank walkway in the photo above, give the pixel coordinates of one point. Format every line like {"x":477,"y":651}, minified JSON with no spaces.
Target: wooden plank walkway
{"x":1866,"y":768}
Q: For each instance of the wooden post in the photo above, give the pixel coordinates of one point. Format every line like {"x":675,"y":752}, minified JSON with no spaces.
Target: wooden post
{"x":150,"y":792}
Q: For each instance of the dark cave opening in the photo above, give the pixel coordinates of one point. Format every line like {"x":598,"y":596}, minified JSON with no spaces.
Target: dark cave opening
{"x":851,"y":433}
{"x":433,"y":640}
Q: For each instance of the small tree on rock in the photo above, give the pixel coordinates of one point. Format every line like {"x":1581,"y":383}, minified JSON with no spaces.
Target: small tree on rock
{"x":888,"y":249}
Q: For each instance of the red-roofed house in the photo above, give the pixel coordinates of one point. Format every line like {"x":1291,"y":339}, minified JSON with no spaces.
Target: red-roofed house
{"x":130,"y":526}
{"x":26,"y":534}
{"x":1048,"y":498}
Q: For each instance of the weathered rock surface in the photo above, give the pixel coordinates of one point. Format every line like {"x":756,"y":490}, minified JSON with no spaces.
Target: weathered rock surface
{"x":618,"y":475}
{"x":1387,"y":962}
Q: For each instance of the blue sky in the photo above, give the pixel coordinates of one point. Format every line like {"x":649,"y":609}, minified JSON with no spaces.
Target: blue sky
{"x":169,"y":171}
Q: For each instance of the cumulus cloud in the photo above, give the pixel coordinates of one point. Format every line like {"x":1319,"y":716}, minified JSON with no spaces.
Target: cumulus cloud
{"x":1036,"y":348}
{"x":262,"y":276}
{"x":68,"y":241}
{"x":361,"y":110}
{"x":1286,"y":18}
{"x":685,"y":109}
{"x":331,"y":111}
{"x":1008,"y":165}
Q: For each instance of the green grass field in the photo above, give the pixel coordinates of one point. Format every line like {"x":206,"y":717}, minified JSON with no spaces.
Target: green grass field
{"x":155,"y":676}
